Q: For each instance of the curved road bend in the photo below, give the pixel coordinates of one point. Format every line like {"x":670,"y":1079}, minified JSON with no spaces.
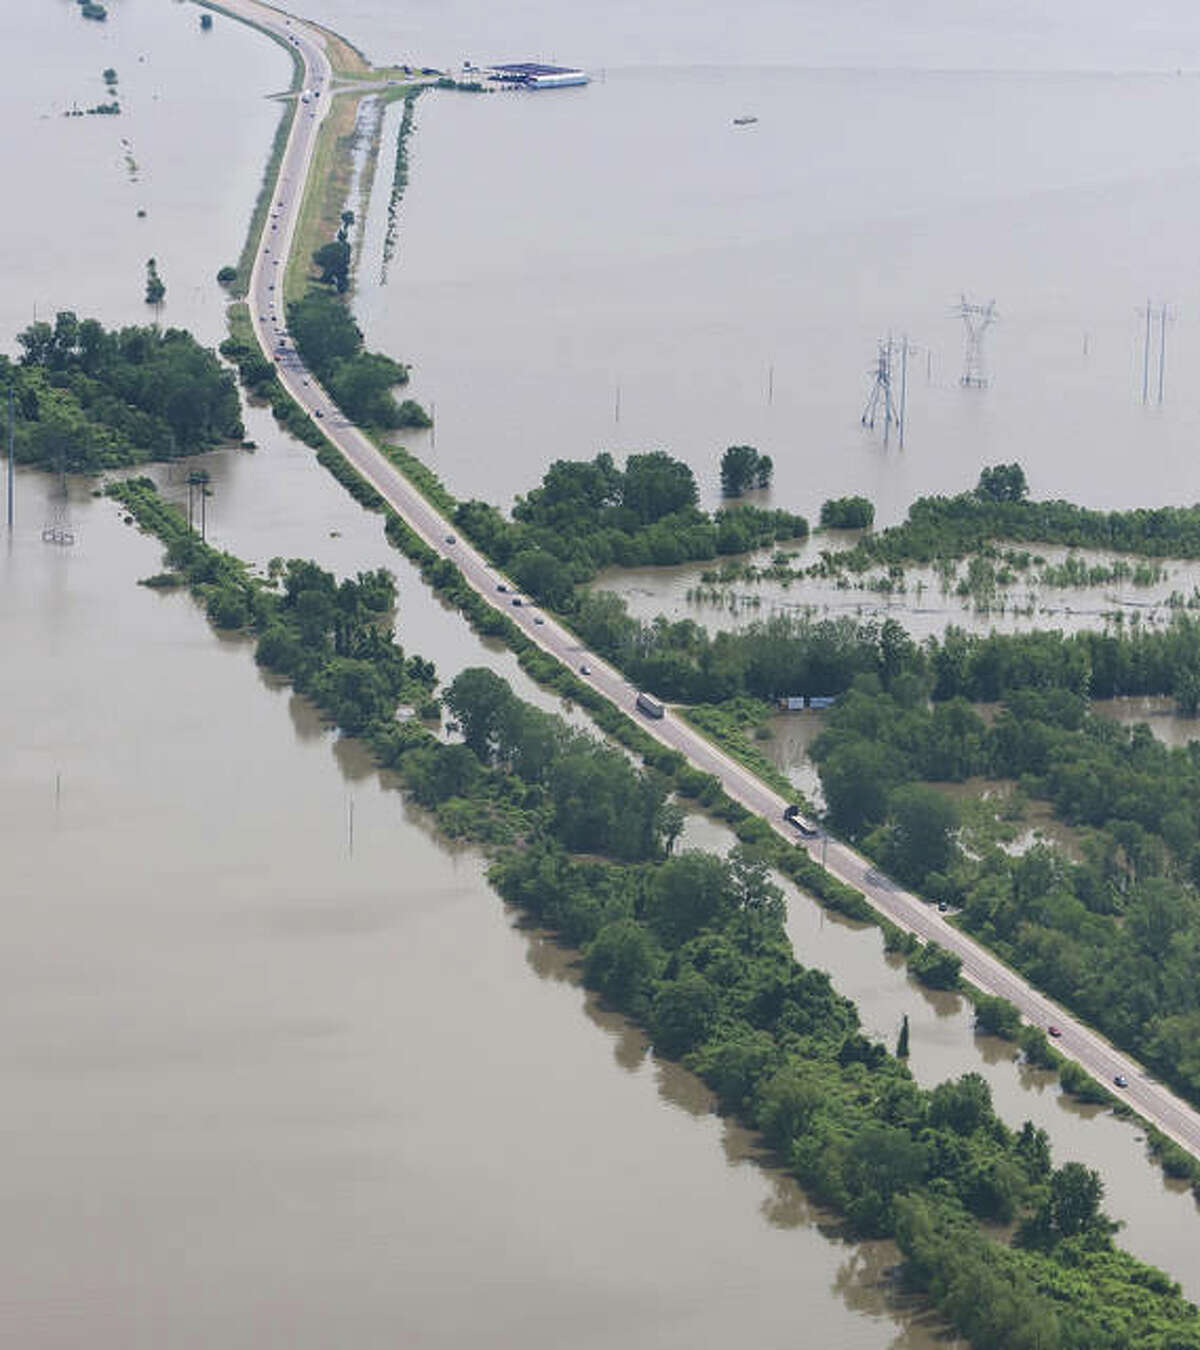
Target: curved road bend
{"x":1155,"y":1102}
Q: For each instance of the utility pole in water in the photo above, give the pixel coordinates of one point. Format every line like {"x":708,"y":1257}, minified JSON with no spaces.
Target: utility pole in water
{"x":11,"y":456}
{"x":1162,"y":350}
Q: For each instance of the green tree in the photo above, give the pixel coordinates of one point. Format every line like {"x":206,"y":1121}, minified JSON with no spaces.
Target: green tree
{"x":479,"y":700}
{"x":155,"y":288}
{"x":921,"y":838}
{"x":902,"y":1040}
{"x":742,"y":467}
{"x":333,"y":259}
{"x":856,"y":778}
{"x":847,"y":513}
{"x":687,"y":893}
{"x":683,"y":1014}
{"x":621,"y":963}
{"x":1002,"y":483}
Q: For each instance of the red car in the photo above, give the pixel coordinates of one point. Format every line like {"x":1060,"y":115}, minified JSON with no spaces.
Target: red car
{"x":1054,"y":1031}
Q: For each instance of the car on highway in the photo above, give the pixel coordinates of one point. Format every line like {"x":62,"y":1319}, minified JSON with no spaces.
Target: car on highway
{"x":318,"y":413}
{"x":1054,"y":1031}
{"x":517,"y":600}
{"x":500,"y":586}
{"x":450,"y":539}
{"x":585,"y":669}
{"x":1120,"y":1080}
{"x":537,"y":618}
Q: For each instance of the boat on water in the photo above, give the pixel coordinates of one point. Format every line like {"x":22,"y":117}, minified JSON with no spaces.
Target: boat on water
{"x":744,"y":121}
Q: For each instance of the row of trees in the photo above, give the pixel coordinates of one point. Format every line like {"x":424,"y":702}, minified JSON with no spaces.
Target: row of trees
{"x":586,"y":515}
{"x":693,"y":946}
{"x":332,"y":639}
{"x":798,"y":654}
{"x":359,"y":381}
{"x":89,"y":398}
{"x":998,"y":508}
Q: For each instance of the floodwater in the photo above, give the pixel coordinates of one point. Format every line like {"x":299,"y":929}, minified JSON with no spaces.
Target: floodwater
{"x":274,"y":1071}
{"x":924,"y":601}
{"x":622,"y":268}
{"x":275,"y":1077}
{"x":188,"y":148}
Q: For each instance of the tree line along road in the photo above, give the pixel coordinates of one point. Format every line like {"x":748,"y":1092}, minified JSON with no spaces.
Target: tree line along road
{"x":1156,"y":1103}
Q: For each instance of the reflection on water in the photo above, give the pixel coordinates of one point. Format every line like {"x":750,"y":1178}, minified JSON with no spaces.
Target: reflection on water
{"x":330,"y":1069}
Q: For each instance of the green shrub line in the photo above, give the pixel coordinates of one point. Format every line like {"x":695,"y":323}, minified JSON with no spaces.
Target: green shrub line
{"x":399,"y":177}
{"x":693,"y":949}
{"x":790,"y":859}
{"x":929,"y":964}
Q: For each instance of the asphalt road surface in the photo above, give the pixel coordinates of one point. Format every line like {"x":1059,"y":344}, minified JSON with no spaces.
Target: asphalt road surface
{"x":1155,"y":1102}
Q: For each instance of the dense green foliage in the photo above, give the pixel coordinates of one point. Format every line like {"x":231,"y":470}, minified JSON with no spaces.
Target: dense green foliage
{"x":333,"y":261}
{"x":952,"y":527}
{"x":332,"y":640}
{"x":586,"y":515}
{"x":87,"y":398}
{"x":794,"y":655}
{"x":743,"y":467}
{"x":1116,"y":935}
{"x":693,"y":948}
{"x":360,"y":382}
{"x":847,"y":513}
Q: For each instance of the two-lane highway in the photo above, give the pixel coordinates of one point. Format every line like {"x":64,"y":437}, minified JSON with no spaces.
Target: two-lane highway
{"x":1171,"y":1115}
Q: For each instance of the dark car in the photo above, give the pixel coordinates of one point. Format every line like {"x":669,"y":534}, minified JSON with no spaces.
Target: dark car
{"x":1053,"y":1030}
{"x":537,"y":618}
{"x":318,"y":413}
{"x":517,"y":600}
{"x":1121,"y":1081}
{"x":500,"y":586}
{"x":450,"y":539}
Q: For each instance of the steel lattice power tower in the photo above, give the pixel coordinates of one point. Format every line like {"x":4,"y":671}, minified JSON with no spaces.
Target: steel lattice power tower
{"x":880,"y":397}
{"x":977,"y":319}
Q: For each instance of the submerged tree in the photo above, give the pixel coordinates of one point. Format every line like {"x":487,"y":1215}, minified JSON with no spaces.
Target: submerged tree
{"x":155,"y":287}
{"x":743,"y":467}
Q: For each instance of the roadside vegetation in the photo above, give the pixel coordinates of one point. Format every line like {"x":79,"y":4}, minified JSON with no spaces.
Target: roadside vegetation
{"x":89,"y":398}
{"x":586,"y":515}
{"x":692,"y":947}
{"x":1112,"y":935}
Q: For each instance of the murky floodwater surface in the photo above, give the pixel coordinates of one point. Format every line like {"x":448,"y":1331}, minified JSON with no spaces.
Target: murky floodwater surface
{"x":266,"y":1085}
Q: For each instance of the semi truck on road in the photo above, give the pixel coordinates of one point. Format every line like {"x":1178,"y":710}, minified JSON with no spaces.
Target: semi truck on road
{"x":648,"y":704}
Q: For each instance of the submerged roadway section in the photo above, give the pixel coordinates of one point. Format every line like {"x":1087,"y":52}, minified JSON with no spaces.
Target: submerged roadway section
{"x":1154,"y":1101}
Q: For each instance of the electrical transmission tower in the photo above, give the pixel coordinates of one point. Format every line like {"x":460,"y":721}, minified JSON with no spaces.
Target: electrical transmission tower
{"x":977,"y":319}
{"x":880,"y":397}
{"x":881,"y":400}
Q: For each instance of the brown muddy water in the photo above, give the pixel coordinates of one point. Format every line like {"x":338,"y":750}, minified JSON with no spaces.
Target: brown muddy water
{"x":264,"y":1085}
